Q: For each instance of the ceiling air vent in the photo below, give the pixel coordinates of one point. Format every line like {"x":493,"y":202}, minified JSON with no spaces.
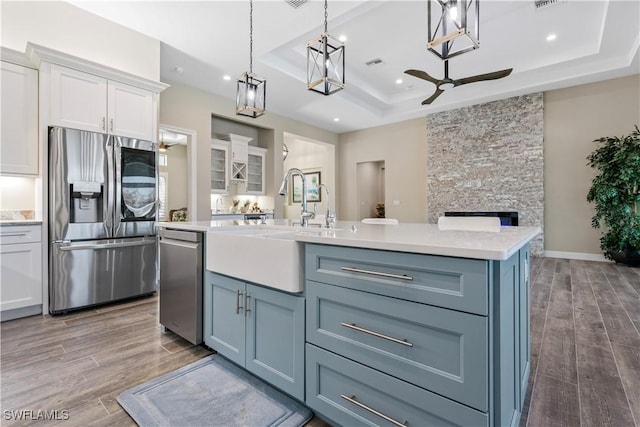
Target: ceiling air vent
{"x":544,"y":3}
{"x":372,"y":62}
{"x":296,"y":3}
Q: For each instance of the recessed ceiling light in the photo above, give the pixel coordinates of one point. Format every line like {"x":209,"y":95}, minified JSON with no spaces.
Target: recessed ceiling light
{"x":551,"y":37}
{"x":226,"y":77}
{"x":398,"y":81}
{"x":336,"y":119}
{"x":342,"y":38}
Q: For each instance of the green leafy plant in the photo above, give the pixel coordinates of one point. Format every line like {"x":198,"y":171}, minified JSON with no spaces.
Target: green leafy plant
{"x":615,"y":191}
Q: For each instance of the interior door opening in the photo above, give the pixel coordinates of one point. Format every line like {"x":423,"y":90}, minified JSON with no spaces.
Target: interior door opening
{"x":370,"y":184}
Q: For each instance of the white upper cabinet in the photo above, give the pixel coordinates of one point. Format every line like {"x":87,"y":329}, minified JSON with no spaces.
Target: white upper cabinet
{"x":239,"y":157}
{"x":84,"y":101}
{"x":131,"y":111}
{"x":19,"y":118}
{"x":78,"y":100}
{"x":256,"y":170}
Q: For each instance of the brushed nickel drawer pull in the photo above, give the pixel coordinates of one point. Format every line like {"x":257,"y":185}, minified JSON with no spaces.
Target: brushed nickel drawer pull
{"x":238,"y":306}
{"x":247,"y":303}
{"x":376,"y":334}
{"x":14,"y":234}
{"x":377,"y":273}
{"x":353,"y":400}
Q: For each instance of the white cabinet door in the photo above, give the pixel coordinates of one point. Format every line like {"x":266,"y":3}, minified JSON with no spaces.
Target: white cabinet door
{"x":256,"y":170}
{"x":84,"y":101}
{"x":20,"y":267}
{"x":219,"y":167}
{"x":19,"y":110}
{"x":131,"y":111}
{"x":78,"y":100}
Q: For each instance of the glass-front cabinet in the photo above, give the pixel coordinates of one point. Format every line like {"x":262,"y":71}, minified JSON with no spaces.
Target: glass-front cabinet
{"x":256,"y":170}
{"x":219,"y":164}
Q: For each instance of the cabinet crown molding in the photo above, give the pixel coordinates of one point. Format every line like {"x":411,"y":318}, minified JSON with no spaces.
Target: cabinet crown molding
{"x":39,"y":54}
{"x":15,"y":57}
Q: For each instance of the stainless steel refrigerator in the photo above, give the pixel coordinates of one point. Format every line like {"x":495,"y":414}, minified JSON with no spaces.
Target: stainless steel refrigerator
{"x":102,"y":210}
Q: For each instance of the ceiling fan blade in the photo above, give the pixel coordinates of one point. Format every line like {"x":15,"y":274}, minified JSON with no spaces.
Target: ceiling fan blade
{"x":422,"y":75}
{"x":433,"y":97}
{"x":481,"y":77}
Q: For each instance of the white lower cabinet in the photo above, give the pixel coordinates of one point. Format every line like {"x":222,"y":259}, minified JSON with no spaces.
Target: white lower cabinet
{"x":20,"y":271}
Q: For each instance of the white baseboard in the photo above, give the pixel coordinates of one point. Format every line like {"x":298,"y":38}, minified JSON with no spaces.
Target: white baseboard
{"x":576,"y":255}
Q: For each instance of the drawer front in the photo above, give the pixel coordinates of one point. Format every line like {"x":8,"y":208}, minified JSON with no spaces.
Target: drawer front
{"x":456,"y":283}
{"x":444,"y":351}
{"x":10,"y":234}
{"x":352,"y":394}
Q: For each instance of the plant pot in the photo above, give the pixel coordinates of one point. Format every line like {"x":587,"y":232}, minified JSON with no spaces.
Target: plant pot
{"x":630,"y":257}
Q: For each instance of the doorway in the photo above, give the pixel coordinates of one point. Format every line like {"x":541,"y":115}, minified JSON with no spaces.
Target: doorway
{"x":175,"y":182}
{"x":370,"y":189}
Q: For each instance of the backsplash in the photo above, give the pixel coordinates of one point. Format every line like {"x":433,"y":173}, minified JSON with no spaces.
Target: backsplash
{"x":488,"y":157}
{"x":17,"y":215}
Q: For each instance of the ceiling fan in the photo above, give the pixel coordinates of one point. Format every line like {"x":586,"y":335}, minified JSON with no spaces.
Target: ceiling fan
{"x":448,"y":83}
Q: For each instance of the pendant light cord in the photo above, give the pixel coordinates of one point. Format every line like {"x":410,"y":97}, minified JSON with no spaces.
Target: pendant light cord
{"x":325,"y":16}
{"x":251,"y":36}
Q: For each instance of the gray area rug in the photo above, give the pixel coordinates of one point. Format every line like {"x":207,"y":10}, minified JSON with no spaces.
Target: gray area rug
{"x":211,"y":392}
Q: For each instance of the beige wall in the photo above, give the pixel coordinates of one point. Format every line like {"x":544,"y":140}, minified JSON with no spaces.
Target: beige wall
{"x":192,"y":109}
{"x":574,"y":117}
{"x":61,"y":26}
{"x":310,"y":157}
{"x":403,"y":148}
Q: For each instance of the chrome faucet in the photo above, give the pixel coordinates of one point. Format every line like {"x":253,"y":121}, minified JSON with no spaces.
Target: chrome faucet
{"x":305,"y":215}
{"x":330,"y":217}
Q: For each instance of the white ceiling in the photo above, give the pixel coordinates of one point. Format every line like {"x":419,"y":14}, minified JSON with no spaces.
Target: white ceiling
{"x":596,"y":40}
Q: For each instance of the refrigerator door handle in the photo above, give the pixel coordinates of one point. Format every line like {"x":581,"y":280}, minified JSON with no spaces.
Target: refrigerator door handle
{"x":83,"y":246}
{"x":109,"y":206}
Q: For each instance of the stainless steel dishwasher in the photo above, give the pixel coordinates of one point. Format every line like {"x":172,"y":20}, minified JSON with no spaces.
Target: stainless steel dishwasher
{"x":180,"y":288}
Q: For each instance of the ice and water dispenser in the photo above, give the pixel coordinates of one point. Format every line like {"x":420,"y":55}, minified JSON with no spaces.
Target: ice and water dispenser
{"x":86,"y":201}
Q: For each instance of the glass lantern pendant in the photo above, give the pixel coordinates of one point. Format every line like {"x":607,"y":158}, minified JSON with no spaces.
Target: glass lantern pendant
{"x":452,"y":27}
{"x":251,"y":92}
{"x":325,"y":62}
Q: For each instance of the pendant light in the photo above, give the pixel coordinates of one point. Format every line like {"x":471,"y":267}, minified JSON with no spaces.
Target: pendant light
{"x":252,"y":90}
{"x":453,"y":27}
{"x":325,"y":62}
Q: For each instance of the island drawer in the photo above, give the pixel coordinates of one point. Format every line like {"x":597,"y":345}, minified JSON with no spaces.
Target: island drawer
{"x":441,"y":350}
{"x":352,"y":394}
{"x":456,"y":283}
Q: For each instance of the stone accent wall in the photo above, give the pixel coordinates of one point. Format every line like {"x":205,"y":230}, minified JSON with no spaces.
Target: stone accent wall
{"x":488,"y":157}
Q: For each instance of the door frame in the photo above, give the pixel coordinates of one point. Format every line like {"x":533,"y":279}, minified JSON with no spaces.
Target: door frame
{"x":192,"y":178}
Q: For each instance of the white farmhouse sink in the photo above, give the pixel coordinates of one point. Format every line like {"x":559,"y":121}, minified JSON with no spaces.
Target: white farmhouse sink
{"x":264,"y":255}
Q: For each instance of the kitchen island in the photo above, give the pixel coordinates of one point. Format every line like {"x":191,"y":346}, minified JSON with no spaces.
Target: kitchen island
{"x":393,"y":325}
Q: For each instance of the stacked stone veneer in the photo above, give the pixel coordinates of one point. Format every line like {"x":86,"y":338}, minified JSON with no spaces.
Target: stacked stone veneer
{"x":488,"y":157}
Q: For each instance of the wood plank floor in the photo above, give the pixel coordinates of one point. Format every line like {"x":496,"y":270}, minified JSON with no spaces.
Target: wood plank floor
{"x":585,"y":345}
{"x":585,"y":348}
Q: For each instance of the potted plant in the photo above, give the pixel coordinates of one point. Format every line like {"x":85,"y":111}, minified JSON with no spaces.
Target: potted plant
{"x":615,"y":191}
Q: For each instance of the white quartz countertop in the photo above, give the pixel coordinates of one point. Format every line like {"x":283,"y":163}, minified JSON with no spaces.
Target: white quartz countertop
{"x":404,"y":237}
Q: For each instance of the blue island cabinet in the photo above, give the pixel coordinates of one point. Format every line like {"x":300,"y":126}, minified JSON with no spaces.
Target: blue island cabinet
{"x":258,"y":328}
{"x":397,"y":338}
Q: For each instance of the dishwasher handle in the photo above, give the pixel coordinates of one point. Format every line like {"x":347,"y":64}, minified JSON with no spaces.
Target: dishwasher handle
{"x":187,"y":236}
{"x":181,"y":243}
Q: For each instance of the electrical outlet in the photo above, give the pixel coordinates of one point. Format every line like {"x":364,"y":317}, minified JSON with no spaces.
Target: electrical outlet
{"x":396,"y":203}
